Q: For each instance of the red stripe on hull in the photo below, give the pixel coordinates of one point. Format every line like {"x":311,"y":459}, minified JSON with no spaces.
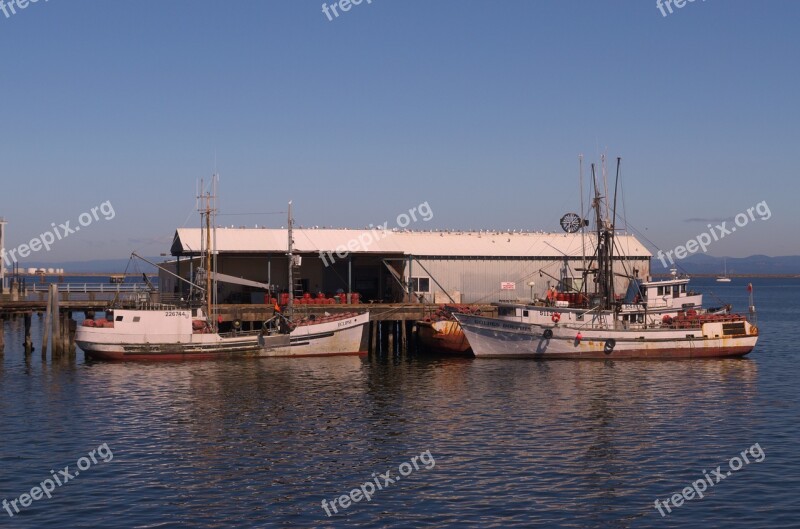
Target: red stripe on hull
{"x":636,"y":354}
{"x":183,"y":357}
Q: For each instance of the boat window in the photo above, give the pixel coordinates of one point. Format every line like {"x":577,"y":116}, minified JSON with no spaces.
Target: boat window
{"x":136,"y":319}
{"x":118,"y":318}
{"x":660,"y":291}
{"x":525,"y":313}
{"x":683,"y":289}
{"x":505,"y":311}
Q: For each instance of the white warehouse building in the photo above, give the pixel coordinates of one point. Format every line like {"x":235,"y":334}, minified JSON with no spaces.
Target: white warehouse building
{"x":438,"y":266}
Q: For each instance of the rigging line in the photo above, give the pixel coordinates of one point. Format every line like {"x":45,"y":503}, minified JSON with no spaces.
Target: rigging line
{"x":676,"y":265}
{"x":116,"y":295}
{"x":252,"y":213}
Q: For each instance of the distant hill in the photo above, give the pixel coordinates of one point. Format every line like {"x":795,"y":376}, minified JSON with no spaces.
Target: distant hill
{"x":699,"y":264}
{"x":702,"y":264}
{"x":101,"y":266}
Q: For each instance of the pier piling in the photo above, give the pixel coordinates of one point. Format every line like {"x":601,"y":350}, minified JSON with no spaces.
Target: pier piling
{"x":28,"y":342}
{"x":55,"y":318}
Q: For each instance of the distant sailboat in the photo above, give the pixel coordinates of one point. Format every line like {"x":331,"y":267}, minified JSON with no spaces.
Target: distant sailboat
{"x":724,"y":277}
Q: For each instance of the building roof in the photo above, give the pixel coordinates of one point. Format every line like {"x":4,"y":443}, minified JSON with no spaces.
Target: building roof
{"x":401,"y":242}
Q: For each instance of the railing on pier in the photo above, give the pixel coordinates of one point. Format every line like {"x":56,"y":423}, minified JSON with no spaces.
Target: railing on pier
{"x":93,"y":288}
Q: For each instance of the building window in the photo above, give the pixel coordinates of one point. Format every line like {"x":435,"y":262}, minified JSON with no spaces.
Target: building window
{"x":421,"y":284}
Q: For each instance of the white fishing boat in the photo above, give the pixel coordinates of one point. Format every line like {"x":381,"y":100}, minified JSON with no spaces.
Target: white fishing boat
{"x":654,"y":319}
{"x":157,"y":333}
{"x":152,"y":332}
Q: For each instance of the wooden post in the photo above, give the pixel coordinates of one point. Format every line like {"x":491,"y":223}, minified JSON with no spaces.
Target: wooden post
{"x":373,"y":326}
{"x":47,"y":314}
{"x":72,"y":328}
{"x":2,"y":335}
{"x":56,"y":319}
{"x":64,"y":324}
{"x":384,"y":336}
{"x":28,"y":341}
{"x":404,"y":336}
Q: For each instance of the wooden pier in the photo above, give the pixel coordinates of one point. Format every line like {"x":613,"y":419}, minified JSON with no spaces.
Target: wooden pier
{"x":392,"y":327}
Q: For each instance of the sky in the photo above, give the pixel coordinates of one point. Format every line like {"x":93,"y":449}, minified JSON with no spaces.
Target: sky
{"x":478,"y":109}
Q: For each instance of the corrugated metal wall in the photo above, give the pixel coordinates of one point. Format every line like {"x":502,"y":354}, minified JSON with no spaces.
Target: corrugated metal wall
{"x":479,"y":280}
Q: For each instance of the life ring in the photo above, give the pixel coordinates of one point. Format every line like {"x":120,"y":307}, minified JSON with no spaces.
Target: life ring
{"x":555,"y":317}
{"x":237,"y":324}
{"x":610,"y":344}
{"x":547,"y":334}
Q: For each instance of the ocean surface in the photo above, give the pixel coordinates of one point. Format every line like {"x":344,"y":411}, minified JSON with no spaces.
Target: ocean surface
{"x":482,"y":443}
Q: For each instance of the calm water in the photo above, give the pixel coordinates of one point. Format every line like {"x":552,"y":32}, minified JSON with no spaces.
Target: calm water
{"x":515,"y":443}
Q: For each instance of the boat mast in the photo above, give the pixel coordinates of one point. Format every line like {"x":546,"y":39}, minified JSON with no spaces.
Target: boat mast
{"x":584,"y":273}
{"x":290,"y":254}
{"x":612,"y":233}
{"x":209,"y":208}
{"x":604,"y":278}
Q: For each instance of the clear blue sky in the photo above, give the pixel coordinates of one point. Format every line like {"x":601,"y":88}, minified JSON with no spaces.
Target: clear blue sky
{"x":478,"y":108}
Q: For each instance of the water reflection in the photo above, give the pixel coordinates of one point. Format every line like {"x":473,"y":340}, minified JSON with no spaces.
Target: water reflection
{"x":261,"y":442}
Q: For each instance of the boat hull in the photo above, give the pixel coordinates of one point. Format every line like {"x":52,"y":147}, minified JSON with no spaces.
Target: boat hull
{"x":497,"y":338}
{"x":333,"y":338}
{"x":443,"y":337}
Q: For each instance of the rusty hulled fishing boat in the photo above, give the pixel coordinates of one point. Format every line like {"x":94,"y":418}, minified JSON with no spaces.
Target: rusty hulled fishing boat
{"x":654,"y":319}
{"x":441,"y":333}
